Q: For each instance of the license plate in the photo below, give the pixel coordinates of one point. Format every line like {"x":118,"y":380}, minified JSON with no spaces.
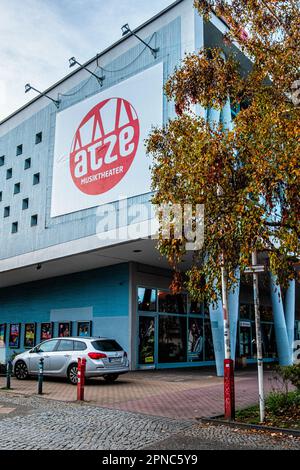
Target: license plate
{"x":114,"y":359}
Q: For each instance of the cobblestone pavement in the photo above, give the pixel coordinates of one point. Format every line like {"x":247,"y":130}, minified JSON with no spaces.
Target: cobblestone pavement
{"x":173,"y":394}
{"x":38,"y":423}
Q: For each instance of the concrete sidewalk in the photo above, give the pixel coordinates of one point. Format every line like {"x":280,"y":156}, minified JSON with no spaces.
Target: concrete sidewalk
{"x":181,"y":394}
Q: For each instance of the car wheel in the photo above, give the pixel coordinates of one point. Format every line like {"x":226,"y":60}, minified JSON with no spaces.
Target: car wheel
{"x":72,"y":374}
{"x":21,"y":370}
{"x":110,"y":378}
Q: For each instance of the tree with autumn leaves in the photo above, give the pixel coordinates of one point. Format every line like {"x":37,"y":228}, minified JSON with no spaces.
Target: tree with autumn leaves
{"x":246,"y":177}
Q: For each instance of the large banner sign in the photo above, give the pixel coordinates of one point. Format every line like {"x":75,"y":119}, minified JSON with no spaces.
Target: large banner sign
{"x":99,"y":153}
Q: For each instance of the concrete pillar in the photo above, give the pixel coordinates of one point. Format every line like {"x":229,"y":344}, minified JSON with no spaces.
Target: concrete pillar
{"x":290,"y":300}
{"x":226,"y":117}
{"x":213,"y":117}
{"x":217,"y":327}
{"x":282,"y":341}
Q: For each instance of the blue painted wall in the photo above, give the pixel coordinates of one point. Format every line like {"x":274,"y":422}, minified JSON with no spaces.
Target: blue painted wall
{"x":100,"y":295}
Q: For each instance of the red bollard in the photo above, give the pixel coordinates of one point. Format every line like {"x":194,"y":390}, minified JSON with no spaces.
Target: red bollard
{"x":81,"y":379}
{"x":229,"y":393}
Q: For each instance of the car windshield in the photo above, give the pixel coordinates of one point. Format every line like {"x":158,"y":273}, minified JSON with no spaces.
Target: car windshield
{"x":106,"y":345}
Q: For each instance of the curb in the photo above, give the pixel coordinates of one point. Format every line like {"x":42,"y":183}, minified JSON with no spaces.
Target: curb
{"x":233,"y":424}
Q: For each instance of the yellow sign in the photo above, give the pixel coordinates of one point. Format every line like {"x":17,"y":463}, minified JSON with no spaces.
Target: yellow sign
{"x":149,"y":359}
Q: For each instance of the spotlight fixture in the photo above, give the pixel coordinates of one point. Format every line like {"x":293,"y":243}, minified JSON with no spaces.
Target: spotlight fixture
{"x":28,"y":87}
{"x":73,"y":61}
{"x":126,"y":30}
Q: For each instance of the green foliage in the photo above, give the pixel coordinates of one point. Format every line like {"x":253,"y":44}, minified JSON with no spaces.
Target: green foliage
{"x":282,"y":410}
{"x":278,"y":403}
{"x":241,"y":176}
{"x":290,"y":374}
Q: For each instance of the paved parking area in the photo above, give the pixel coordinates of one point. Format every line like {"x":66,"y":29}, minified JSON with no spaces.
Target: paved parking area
{"x":39,"y":423}
{"x":178,"y":394}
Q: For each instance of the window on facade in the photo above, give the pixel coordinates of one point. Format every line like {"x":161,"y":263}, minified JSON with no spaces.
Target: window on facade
{"x":246,"y":312}
{"x":209,"y":354}
{"x":146,"y":340}
{"x":266,"y":313}
{"x":27,"y":163}
{"x":17,"y":188}
{"x":36,"y":178}
{"x":146,"y":299}
{"x":172,"y":344}
{"x":34,"y":220}
{"x":6,"y":211}
{"x":14,"y":227}
{"x":38,"y":137}
{"x":19,"y":150}
{"x":25,"y":203}
{"x":9,"y":174}
{"x":169,"y":303}
{"x":195,"y":339}
{"x":1,"y":196}
{"x":199,"y":308}
{"x":2,"y":160}
{"x":245,"y":339}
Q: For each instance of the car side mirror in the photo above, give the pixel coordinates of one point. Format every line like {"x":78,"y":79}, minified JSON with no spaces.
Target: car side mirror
{"x":34,"y":350}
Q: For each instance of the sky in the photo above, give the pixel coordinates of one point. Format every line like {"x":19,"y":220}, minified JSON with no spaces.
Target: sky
{"x":37,"y":37}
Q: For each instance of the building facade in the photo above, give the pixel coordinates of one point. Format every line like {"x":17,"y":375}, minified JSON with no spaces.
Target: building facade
{"x":76,"y":255}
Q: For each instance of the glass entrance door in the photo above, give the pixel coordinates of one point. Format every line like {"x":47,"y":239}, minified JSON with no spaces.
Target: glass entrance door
{"x":245,"y":339}
{"x":147,"y":335}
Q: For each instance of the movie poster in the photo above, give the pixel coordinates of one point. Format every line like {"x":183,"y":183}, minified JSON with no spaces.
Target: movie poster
{"x":84,"y":328}
{"x":29,"y":337}
{"x":64,"y":329}
{"x":2,"y":334}
{"x":14,"y":335}
{"x":146,"y":340}
{"x":195,"y":339}
{"x":46,"y":331}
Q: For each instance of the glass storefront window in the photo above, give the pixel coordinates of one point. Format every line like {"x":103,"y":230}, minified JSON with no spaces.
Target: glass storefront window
{"x":196,"y":307}
{"x":246,"y":312}
{"x":195,"y":339}
{"x":172,"y":344}
{"x":297,"y":332}
{"x":268,"y":340}
{"x":146,"y":340}
{"x":146,"y":299}
{"x":169,"y":303}
{"x":209,"y":354}
{"x":266,"y":313}
{"x":245,"y":339}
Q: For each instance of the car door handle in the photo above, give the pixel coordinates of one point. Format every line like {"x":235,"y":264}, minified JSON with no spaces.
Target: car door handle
{"x":67,"y":355}
{"x":46,"y":357}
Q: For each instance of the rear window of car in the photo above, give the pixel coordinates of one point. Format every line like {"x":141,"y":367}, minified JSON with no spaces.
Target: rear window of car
{"x":107,"y":345}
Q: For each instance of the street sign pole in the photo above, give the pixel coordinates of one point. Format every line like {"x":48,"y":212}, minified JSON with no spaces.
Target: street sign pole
{"x":255,"y":270}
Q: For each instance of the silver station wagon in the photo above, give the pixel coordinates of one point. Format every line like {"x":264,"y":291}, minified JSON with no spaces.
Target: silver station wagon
{"x":104,"y":357}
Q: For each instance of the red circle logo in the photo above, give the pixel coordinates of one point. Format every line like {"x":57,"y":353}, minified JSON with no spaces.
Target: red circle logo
{"x":104,"y":146}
